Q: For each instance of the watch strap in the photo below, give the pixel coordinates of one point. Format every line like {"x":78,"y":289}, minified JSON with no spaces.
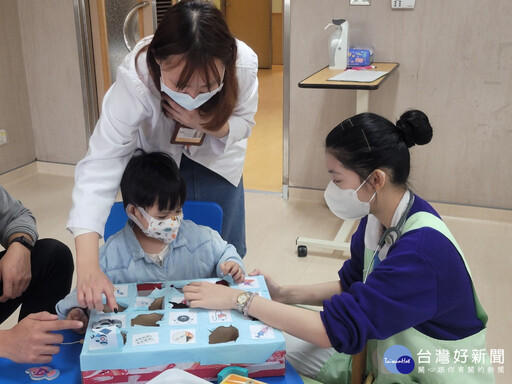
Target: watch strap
{"x":24,"y":241}
{"x":245,"y":309}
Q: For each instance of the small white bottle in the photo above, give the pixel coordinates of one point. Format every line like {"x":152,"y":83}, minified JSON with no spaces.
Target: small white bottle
{"x":338,"y":44}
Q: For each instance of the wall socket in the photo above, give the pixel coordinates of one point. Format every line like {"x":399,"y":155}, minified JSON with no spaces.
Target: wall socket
{"x":3,"y":136}
{"x":403,"y":4}
{"x":360,"y":2}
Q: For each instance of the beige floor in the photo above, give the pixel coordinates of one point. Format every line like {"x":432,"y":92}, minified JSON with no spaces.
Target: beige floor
{"x":273,"y":224}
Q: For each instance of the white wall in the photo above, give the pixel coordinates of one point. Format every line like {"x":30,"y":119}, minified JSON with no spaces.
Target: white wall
{"x":455,"y":59}
{"x":14,"y":98}
{"x":53,"y":76}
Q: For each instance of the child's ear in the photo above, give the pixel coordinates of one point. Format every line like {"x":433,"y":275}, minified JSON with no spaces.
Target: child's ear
{"x":130,"y":208}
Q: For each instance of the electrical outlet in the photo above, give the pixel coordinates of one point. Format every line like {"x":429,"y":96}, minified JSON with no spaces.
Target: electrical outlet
{"x":360,"y":2}
{"x":3,"y":136}
{"x":403,"y":4}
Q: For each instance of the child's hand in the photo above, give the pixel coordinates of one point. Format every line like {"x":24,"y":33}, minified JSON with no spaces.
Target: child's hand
{"x":80,"y":315}
{"x":233,"y":269}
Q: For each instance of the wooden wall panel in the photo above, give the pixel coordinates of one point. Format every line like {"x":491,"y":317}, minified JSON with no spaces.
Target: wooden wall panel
{"x":277,"y":39}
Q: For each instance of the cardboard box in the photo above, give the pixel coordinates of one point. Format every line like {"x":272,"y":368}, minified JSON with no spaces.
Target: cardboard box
{"x":157,"y":332}
{"x":359,"y":56}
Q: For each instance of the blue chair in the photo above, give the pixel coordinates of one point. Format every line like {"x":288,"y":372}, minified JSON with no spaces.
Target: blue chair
{"x":205,"y":213}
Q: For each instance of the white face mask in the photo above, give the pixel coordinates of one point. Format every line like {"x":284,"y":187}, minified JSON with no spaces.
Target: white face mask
{"x":164,"y":230}
{"x":187,"y":101}
{"x":345,"y":203}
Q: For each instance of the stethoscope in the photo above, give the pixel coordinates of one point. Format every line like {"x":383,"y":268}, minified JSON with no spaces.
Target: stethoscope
{"x":390,"y":235}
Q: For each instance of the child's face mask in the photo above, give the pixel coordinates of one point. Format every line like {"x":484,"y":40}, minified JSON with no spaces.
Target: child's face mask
{"x":164,"y":230}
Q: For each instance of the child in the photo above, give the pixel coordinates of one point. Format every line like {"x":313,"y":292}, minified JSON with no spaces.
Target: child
{"x":157,"y":244}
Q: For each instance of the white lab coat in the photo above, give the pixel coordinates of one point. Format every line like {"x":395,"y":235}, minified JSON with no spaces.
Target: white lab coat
{"x":132,"y":118}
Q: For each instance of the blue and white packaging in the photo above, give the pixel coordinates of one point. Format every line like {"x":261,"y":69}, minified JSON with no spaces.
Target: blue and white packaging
{"x":360,"y":56}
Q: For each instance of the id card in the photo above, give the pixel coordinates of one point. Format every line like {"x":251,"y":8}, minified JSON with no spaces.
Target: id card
{"x":187,"y":136}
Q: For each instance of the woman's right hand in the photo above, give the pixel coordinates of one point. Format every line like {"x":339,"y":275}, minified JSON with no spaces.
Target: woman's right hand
{"x":91,"y":281}
{"x":91,"y":284}
{"x":274,"y":289}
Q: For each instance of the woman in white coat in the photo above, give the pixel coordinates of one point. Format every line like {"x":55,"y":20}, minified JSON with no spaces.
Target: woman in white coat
{"x":191,"y":90}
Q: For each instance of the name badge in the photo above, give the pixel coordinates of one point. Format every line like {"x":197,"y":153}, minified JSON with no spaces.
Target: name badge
{"x":187,"y":136}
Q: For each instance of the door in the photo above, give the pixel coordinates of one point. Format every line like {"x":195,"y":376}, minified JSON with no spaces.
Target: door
{"x":117,"y":25}
{"x":250,"y":21}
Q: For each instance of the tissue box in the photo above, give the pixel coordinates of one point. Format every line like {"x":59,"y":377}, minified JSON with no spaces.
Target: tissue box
{"x":157,"y":331}
{"x":360,"y":56}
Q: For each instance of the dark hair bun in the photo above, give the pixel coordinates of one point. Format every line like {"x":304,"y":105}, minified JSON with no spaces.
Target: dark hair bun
{"x":415,"y":128}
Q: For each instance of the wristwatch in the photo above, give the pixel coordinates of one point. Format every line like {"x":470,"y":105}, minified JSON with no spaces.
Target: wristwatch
{"x":242,"y":302}
{"x":23,"y":240}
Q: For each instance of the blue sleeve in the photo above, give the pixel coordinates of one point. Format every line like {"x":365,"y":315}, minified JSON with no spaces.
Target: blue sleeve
{"x":400,"y":293}
{"x":67,"y":304}
{"x":352,"y":269}
{"x":223,"y":252}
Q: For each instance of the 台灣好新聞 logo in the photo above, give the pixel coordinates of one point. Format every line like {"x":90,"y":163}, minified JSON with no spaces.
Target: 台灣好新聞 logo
{"x":398,"y":359}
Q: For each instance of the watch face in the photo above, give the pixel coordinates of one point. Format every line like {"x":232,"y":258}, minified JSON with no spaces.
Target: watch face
{"x":242,"y":298}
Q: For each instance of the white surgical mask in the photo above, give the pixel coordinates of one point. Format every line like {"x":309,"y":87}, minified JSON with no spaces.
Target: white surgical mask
{"x":164,"y":230}
{"x":185,"y":100}
{"x":345,"y":203}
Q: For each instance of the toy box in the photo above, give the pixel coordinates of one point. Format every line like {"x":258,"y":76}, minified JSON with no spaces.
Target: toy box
{"x":156,"y":331}
{"x":360,"y":56}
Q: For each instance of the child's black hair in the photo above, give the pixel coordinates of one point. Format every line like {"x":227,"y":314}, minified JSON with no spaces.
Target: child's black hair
{"x":153,"y":177}
{"x":366,"y":142}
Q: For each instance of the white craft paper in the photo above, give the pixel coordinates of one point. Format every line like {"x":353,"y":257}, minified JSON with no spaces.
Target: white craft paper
{"x":359,"y":76}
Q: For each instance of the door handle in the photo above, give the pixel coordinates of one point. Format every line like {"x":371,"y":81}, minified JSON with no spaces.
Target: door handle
{"x":127,"y":20}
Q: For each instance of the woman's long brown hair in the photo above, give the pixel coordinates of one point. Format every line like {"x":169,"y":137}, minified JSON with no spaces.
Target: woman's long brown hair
{"x":197,"y":30}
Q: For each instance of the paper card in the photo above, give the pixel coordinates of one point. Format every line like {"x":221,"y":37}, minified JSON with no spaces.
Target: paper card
{"x":121,"y":290}
{"x":358,"y":76}
{"x":183,"y":336}
{"x":104,"y":337}
{"x":143,"y":302}
{"x":109,"y":320}
{"x":262,"y":332}
{"x":178,"y":299}
{"x":219,"y":316}
{"x":180,"y":318}
{"x":145,"y":339}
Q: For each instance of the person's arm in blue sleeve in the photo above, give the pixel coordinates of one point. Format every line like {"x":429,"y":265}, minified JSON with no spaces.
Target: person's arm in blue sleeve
{"x":400,"y":293}
{"x":67,"y":304}
{"x":352,"y":270}
{"x":228,"y":261}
